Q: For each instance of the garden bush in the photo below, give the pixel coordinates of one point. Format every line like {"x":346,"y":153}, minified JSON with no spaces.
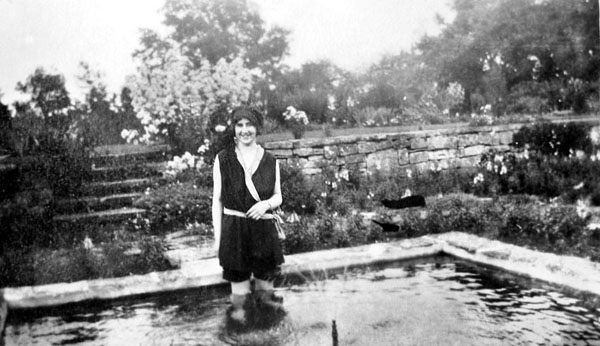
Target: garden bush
{"x":554,"y":138}
{"x":174,"y":205}
{"x":40,"y":266}
{"x":570,"y":178}
{"x":297,"y":192}
{"x":522,"y":220}
{"x":327,"y":230}
{"x":24,"y":219}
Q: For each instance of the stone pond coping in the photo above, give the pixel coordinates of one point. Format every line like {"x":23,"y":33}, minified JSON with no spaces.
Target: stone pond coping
{"x":566,"y":271}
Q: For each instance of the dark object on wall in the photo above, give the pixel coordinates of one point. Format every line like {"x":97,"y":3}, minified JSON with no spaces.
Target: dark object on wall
{"x":387,"y":227}
{"x":405,"y":202}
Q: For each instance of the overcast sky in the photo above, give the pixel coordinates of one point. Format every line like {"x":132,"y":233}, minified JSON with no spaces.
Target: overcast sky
{"x":58,"y":34}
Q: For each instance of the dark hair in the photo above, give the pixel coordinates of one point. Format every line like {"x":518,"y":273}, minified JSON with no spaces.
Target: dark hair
{"x":246,"y":112}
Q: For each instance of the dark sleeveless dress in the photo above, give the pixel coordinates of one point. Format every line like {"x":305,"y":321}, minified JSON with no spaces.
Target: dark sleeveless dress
{"x":246,"y":244}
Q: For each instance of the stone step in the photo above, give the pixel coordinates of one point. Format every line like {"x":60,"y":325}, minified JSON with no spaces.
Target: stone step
{"x":105,"y":188}
{"x":94,"y":203}
{"x":126,"y":154}
{"x":127,"y":171}
{"x":105,"y":216}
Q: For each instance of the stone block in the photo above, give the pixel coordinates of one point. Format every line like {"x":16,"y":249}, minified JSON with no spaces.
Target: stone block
{"x":486,"y":138}
{"x":441,"y":142}
{"x":403,"y":158}
{"x":442,"y":154}
{"x":355,"y":158}
{"x":502,"y":254}
{"x":316,"y":162}
{"x":330,"y":151}
{"x":418,"y":143}
{"x":467,"y":140}
{"x":281,"y":153}
{"x":278,"y":145}
{"x":505,"y":138}
{"x":382,"y":160}
{"x":383,"y":145}
{"x":304,"y":152}
{"x":418,"y":157}
{"x":366,"y":147}
{"x":476,"y":150}
{"x":348,"y":149}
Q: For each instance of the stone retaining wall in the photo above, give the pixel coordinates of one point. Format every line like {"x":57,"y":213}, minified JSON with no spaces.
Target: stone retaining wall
{"x":399,"y":152}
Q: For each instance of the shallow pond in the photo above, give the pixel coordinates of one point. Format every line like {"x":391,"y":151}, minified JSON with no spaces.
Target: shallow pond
{"x":433,"y":301}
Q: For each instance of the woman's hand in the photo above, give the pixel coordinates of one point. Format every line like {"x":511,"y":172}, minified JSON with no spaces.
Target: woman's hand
{"x":258,"y":210}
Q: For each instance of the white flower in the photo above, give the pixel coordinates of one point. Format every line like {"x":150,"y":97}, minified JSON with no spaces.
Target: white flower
{"x":344,"y":174}
{"x":478,"y":178}
{"x":582,"y":209}
{"x":595,"y":135}
{"x":293,"y":218}
{"x":323,"y":194}
{"x":293,"y":115}
{"x":220,"y":128}
{"x":87,"y":243}
{"x":503,"y":170}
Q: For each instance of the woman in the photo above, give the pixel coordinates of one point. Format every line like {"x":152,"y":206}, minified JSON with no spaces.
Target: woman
{"x":246,"y":190}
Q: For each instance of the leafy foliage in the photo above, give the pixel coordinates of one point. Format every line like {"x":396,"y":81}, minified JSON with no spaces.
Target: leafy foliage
{"x":224,"y":29}
{"x":555,"y":139}
{"x":175,"y":205}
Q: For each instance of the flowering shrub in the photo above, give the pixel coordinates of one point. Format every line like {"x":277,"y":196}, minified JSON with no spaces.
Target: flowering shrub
{"x":296,"y":121}
{"x":173,"y":97}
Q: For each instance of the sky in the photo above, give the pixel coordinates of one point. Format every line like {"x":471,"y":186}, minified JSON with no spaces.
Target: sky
{"x":58,"y":34}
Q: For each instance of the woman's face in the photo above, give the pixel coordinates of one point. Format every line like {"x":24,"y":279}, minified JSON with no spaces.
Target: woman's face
{"x":245,"y":132}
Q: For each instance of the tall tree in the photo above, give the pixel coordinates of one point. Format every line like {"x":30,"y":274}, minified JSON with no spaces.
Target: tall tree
{"x":215,"y":29}
{"x":47,"y":91}
{"x":507,"y":42}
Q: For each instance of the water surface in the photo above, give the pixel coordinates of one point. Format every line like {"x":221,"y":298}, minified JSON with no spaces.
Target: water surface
{"x":435,"y":301}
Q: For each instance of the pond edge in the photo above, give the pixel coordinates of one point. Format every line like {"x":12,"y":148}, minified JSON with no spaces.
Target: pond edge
{"x":565,"y":271}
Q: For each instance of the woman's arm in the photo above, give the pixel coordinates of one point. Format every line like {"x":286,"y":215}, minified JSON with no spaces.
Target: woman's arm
{"x":276,"y":200}
{"x":217,"y":204}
